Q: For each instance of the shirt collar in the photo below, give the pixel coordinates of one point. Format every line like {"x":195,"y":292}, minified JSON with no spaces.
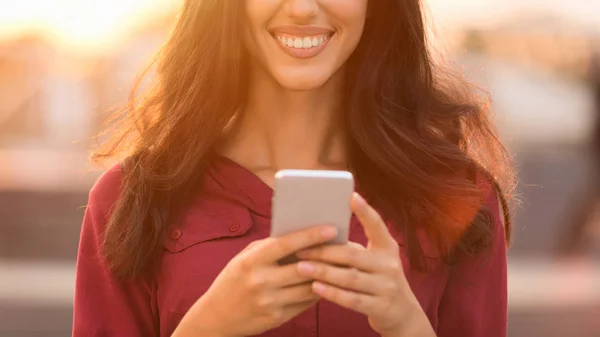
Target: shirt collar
{"x":242,"y":185}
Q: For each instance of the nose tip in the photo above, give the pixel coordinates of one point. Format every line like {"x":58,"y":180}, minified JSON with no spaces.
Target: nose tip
{"x":302,"y":8}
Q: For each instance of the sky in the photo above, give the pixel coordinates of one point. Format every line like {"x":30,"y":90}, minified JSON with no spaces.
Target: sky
{"x":456,"y":13}
{"x":76,"y":22}
{"x":93,"y":23}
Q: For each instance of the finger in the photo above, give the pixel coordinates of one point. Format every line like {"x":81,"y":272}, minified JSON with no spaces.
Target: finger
{"x":355,"y":256}
{"x":295,"y":295}
{"x":347,"y":278}
{"x":363,"y":303}
{"x":274,"y":249}
{"x":251,"y":246}
{"x":375,"y":228}
{"x":285,"y":276}
{"x":356,"y":245}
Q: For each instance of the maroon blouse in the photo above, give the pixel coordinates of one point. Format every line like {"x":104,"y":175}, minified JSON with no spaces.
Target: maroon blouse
{"x":468,"y":299}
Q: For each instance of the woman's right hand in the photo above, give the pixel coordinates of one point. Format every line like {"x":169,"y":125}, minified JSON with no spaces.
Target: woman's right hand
{"x":254,"y":293}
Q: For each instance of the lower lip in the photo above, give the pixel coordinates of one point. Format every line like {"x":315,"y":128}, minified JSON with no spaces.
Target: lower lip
{"x":302,"y":53}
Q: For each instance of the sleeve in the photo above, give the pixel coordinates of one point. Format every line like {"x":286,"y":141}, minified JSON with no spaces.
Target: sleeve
{"x":474,"y":303}
{"x":104,"y":306}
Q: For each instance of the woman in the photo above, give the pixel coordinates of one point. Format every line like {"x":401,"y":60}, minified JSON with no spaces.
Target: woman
{"x":174,"y":241}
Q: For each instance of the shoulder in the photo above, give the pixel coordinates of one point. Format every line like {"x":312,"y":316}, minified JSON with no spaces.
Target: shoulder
{"x":106,"y":190}
{"x":101,"y":199}
{"x":491,"y":194}
{"x":495,"y":208}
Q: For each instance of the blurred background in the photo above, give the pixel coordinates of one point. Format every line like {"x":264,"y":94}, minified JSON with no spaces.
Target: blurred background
{"x":63,"y":63}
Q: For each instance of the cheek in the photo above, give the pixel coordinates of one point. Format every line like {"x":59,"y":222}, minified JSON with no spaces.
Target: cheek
{"x":257,"y":15}
{"x":351,"y":16}
{"x":256,"y":18}
{"x":350,"y":12}
{"x":259,"y":12}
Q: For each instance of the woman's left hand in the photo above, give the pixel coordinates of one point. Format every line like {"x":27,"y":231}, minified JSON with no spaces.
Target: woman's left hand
{"x":368,"y":280}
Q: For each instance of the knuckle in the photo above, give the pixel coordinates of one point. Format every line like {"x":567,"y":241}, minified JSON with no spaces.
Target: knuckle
{"x":254,"y":244}
{"x":271,"y":242}
{"x":245,"y":263}
{"x":352,"y":257}
{"x":320,"y":272}
{"x":393,"y":265}
{"x":355,"y":302}
{"x":390,"y":287}
{"x":257,"y":282}
{"x":276,"y":315}
{"x":353,"y":278}
{"x":356,"y":245}
{"x":284,"y":244}
{"x":265,"y":303}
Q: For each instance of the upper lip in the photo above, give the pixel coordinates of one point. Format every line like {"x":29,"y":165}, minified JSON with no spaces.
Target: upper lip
{"x":301,"y":30}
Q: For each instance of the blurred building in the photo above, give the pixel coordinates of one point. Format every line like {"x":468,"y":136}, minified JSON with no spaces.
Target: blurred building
{"x":44,"y":99}
{"x":24,"y":66}
{"x":53,"y":99}
{"x":535,"y":40}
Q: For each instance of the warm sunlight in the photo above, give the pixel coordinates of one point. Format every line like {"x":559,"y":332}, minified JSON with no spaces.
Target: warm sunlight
{"x":95,"y":25}
{"x":76,"y":23}
{"x":478,"y":13}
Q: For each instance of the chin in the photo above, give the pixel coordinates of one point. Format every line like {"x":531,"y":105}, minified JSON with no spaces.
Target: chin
{"x":302,"y":83}
{"x":302,"y":79}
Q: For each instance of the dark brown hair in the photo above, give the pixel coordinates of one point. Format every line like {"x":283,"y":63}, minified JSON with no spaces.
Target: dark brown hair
{"x":419,"y":135}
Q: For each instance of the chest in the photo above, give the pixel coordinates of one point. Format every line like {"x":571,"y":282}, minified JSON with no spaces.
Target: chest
{"x":195,"y":253}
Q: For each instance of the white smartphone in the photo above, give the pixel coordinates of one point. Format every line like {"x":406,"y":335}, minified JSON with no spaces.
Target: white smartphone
{"x":307,"y":198}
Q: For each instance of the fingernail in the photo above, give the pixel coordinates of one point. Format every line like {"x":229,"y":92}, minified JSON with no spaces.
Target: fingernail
{"x":319,"y":288}
{"x":306,"y":268}
{"x":358,"y":199}
{"x":329,"y":232}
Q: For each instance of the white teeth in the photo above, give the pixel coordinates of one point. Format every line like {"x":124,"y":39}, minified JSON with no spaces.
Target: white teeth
{"x":307,"y":43}
{"x":298,"y":42}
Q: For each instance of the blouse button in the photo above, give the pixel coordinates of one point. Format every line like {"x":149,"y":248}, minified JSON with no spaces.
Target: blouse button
{"x":176,"y":234}
{"x":234,"y":228}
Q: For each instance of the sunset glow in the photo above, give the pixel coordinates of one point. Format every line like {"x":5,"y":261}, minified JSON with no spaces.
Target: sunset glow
{"x":96,"y":25}
{"x":78,"y":23}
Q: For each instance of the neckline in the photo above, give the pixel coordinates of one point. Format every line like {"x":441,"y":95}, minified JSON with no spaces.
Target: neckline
{"x":258,"y":197}
{"x":237,"y":178}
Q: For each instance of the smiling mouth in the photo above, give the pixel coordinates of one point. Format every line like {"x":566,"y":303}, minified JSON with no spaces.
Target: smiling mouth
{"x":302,"y":42}
{"x":302,"y":46}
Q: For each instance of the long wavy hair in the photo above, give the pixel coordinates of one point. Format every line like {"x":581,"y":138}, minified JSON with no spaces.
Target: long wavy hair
{"x":419,"y":135}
